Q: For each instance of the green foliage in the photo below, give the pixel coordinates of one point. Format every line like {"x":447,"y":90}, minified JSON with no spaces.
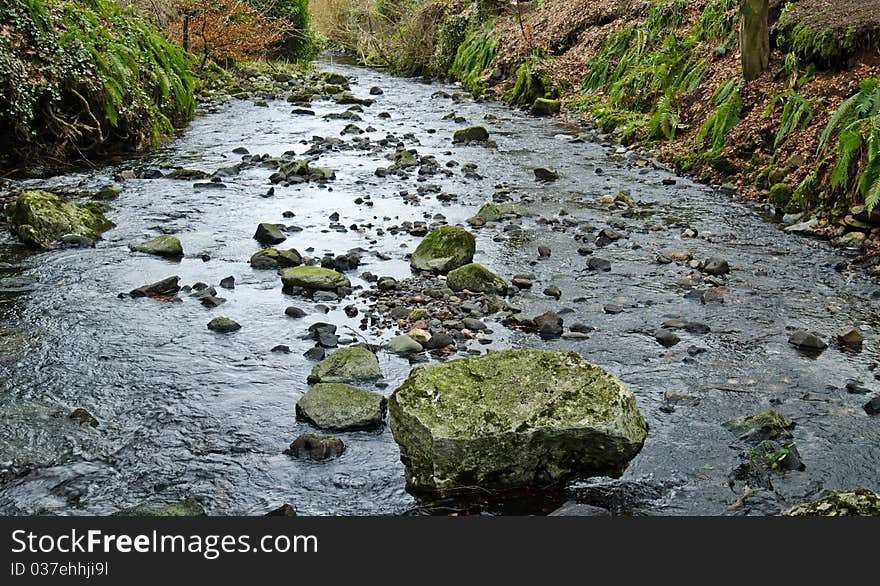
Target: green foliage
{"x":531,"y":83}
{"x":302,"y":43}
{"x":797,"y":112}
{"x":770,"y":458}
{"x":78,"y":75}
{"x":856,"y":128}
{"x":826,"y":48}
{"x":644,"y":67}
{"x":474,"y":56}
{"x":723,"y":119}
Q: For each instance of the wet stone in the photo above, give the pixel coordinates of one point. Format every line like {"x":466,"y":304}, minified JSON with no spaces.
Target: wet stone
{"x":313,"y":446}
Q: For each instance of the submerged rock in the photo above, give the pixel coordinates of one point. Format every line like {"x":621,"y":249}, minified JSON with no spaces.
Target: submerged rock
{"x":844,"y":503}
{"x":40,"y":218}
{"x":444,"y":249}
{"x":477,"y":278}
{"x":184,"y":508}
{"x":347,"y":365}
{"x":313,"y":279}
{"x":166,"y":246}
{"x":341,"y":407}
{"x":314,"y":446}
{"x":512,"y":419}
{"x":164,"y":288}
{"x":767,"y":425}
{"x":807,"y":341}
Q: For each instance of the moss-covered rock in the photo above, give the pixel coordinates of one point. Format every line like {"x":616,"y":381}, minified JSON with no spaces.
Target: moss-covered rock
{"x":167,"y":246}
{"x":443,"y":249}
{"x":187,"y":174}
{"x":341,"y":407}
{"x":268,"y":234}
{"x":347,"y":365}
{"x":184,"y":508}
{"x":477,"y":278}
{"x":780,"y":195}
{"x":844,"y":503}
{"x":493,"y":212}
{"x":545,"y":107}
{"x":512,"y":419}
{"x":313,"y":279}
{"x":272,"y":258}
{"x":470,"y":135}
{"x":767,"y":425}
{"x":40,"y":218}
{"x":223,"y":325}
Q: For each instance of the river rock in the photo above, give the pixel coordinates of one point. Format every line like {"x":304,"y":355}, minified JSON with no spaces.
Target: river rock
{"x":666,"y":338}
{"x":476,"y":278}
{"x":549,"y":325}
{"x":419,"y":335}
{"x":340,"y":407}
{"x":294,"y":312}
{"x":807,"y":341}
{"x":872,"y":407}
{"x":474,"y":134}
{"x":767,"y":425}
{"x":545,"y":107}
{"x":164,"y":288}
{"x":599,"y":264}
{"x":444,"y":249}
{"x":40,"y":218}
{"x":83,"y":417}
{"x":404,"y":346}
{"x":272,"y":258}
{"x":347,"y":365}
{"x":166,"y":246}
{"x":843,"y":503}
{"x":314,"y":446}
{"x":716,"y":266}
{"x":223,"y":325}
{"x":313,"y":279}
{"x":493,"y":212}
{"x":546,"y":174}
{"x":851,"y":338}
{"x":184,"y":508}
{"x":513,"y":419}
{"x":268,"y":234}
{"x":438,"y":341}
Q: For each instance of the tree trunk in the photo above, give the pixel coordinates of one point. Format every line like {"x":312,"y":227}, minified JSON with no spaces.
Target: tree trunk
{"x":754,"y":38}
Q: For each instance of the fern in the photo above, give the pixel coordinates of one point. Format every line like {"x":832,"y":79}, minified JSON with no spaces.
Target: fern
{"x":474,"y":56}
{"x":723,"y":119}
{"x":797,"y":112}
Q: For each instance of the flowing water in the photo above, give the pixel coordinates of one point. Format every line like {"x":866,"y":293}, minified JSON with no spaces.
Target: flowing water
{"x":185,"y":412}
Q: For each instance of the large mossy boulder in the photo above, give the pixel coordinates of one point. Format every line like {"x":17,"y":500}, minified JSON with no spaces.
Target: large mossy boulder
{"x":476,"y":278}
{"x":443,"y":249}
{"x":272,"y":258}
{"x":844,"y":503}
{"x":313,"y":279}
{"x":165,"y":246}
{"x":546,"y":107}
{"x":341,"y":407}
{"x":40,"y":218}
{"x":347,"y":365}
{"x":513,"y":419}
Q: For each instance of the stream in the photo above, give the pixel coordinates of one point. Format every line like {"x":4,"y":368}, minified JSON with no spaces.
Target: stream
{"x":185,"y":412}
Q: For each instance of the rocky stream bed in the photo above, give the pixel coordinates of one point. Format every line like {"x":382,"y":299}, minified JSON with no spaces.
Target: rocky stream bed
{"x":705,"y":308}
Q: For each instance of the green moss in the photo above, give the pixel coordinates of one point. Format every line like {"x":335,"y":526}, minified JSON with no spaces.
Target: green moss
{"x":314,"y":279}
{"x":167,"y":246}
{"x":477,"y":278}
{"x":444,"y":249}
{"x":79,"y":75}
{"x":41,"y":218}
{"x":767,"y":425}
{"x":780,"y":195}
{"x":532,"y":83}
{"x":494,"y":212}
{"x":347,"y":365}
{"x":341,"y":407}
{"x":844,"y":503}
{"x":826,"y":48}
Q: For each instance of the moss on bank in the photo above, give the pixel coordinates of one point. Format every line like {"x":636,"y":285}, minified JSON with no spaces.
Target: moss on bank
{"x":78,"y":78}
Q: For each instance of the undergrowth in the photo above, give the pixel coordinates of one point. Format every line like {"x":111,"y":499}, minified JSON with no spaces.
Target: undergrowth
{"x":76,"y":77}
